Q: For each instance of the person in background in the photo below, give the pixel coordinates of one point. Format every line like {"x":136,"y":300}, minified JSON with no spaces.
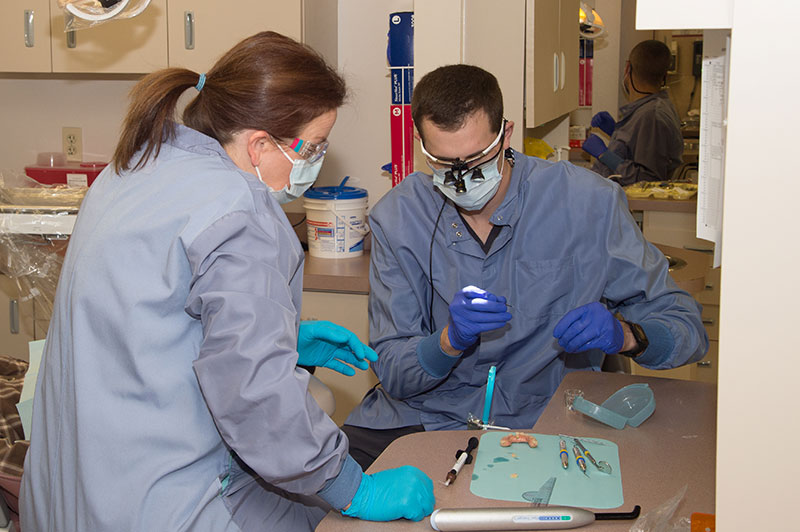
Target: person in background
{"x":646,"y":143}
{"x":498,"y":259}
{"x":169,"y":396}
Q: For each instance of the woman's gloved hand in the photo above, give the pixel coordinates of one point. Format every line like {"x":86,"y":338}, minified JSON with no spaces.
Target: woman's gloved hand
{"x":605,"y":122}
{"x":474,"y":311}
{"x":404,"y":492}
{"x":591,"y":326}
{"x":322,"y":343}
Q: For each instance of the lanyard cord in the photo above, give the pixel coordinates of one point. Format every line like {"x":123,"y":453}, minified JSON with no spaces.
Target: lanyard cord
{"x":430,"y":266}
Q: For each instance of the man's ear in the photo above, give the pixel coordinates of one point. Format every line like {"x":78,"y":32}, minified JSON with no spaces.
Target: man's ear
{"x":508,"y":133}
{"x":258,"y":143}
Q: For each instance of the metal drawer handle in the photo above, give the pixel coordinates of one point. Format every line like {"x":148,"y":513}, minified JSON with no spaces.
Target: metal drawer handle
{"x":13,"y":316}
{"x":28,"y":28}
{"x":708,"y":321}
{"x":188,"y":30}
{"x":704,"y":364}
{"x":72,"y":39}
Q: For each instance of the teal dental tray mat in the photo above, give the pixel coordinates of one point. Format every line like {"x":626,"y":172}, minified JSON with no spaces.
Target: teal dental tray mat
{"x":495,"y":467}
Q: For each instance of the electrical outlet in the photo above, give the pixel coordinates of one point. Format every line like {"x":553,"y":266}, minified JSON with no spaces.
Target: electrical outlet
{"x":72,"y":143}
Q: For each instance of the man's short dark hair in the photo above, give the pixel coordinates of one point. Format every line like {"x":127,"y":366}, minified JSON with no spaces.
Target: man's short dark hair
{"x":450,"y":94}
{"x":650,"y":61}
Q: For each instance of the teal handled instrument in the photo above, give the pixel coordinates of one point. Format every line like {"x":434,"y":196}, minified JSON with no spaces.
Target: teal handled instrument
{"x":528,"y":518}
{"x":580,"y":459}
{"x":602,"y":465}
{"x":563,"y":454}
{"x":487,"y":404}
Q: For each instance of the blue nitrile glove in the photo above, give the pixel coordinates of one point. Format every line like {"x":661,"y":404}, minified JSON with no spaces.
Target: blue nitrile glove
{"x":403,"y":492}
{"x":594,"y":146}
{"x":591,"y":326}
{"x":474,"y":311}
{"x":605,"y":122}
{"x":322,"y":343}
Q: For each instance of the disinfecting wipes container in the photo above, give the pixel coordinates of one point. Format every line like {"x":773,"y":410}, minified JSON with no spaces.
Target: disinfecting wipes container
{"x":335,"y":217}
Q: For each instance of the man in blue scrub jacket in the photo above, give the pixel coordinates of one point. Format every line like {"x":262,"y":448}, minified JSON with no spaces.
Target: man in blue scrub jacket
{"x":646,"y":143}
{"x":499,"y":259}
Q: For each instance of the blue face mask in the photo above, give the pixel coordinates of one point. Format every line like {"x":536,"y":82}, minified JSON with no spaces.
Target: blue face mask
{"x":302,"y":176}
{"x":478,"y":192}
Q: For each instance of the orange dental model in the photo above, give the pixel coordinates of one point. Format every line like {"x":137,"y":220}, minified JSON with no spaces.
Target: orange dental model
{"x":518,"y":437}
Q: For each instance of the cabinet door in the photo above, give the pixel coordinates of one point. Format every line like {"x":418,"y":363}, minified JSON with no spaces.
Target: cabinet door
{"x":489,"y":29}
{"x":349,"y":311}
{"x":127,"y":46}
{"x":215,"y":27}
{"x":568,"y":38}
{"x":541,"y":62}
{"x":24,"y":36}
{"x":16,"y":320}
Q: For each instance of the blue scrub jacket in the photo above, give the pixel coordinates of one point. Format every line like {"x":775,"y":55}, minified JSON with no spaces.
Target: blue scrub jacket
{"x":566,"y":239}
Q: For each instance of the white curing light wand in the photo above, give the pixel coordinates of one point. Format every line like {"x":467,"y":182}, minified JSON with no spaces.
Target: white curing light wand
{"x":523,"y":518}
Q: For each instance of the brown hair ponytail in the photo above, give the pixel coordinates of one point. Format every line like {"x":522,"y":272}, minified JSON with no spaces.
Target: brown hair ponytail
{"x":150,"y":116}
{"x":267,"y":82}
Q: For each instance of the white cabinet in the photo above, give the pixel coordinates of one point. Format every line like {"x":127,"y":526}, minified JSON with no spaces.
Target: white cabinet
{"x":349,"y":311}
{"x":186,"y":33}
{"x":678,"y":229}
{"x":16,"y":320}
{"x":24,"y":36}
{"x":199,"y":32}
{"x":531,"y":46}
{"x":134,"y":45}
{"x":551,"y":60}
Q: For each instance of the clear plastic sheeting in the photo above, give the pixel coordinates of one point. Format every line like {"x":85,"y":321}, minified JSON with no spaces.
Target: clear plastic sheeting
{"x":80,"y":14}
{"x":35,"y":223}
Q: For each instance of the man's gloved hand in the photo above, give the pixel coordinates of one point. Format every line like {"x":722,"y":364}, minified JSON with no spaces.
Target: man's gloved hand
{"x":591,"y":326}
{"x":605,"y":122}
{"x":404,"y":492}
{"x":594,"y":146}
{"x":474,"y":311}
{"x":322,"y":343}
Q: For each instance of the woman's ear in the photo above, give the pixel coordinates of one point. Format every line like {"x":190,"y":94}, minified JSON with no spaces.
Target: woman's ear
{"x":258,"y":143}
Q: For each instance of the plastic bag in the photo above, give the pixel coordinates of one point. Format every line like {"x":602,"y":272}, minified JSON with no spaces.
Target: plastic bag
{"x":33,"y":240}
{"x":80,"y":14}
{"x":661,"y":519}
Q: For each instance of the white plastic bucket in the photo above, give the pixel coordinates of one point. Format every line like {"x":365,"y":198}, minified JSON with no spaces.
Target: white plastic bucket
{"x":336,"y":221}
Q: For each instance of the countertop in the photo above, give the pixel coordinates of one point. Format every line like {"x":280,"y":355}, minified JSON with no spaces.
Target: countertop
{"x":351,"y":276}
{"x":670,"y":205}
{"x":675,"y":447}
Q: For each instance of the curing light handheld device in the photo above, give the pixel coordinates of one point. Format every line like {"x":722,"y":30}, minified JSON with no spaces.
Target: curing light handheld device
{"x":523,"y":518}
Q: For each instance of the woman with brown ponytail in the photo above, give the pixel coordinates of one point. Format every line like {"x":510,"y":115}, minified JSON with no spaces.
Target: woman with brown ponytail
{"x":169,"y":397}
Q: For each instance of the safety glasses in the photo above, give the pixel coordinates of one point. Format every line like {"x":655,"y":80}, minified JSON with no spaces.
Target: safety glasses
{"x":307,"y":150}
{"x":457,"y":162}
{"x":453,"y":171}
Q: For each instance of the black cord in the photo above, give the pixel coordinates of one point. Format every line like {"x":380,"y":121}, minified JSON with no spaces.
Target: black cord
{"x":303,"y":219}
{"x":430,"y":265}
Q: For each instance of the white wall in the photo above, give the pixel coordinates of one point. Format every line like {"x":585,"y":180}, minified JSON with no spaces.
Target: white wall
{"x":33,"y":111}
{"x":758,"y":349}
{"x":360,"y":139}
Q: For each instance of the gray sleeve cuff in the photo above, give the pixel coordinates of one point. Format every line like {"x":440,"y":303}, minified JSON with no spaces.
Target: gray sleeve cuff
{"x":340,"y":490}
{"x":433,"y":360}
{"x":660,"y":344}
{"x":611,"y":159}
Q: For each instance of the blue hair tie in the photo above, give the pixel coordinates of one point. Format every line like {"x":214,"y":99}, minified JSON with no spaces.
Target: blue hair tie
{"x":200,"y":82}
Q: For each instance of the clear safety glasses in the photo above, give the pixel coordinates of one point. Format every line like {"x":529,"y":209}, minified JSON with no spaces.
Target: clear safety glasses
{"x":307,"y":150}
{"x":455,"y":170}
